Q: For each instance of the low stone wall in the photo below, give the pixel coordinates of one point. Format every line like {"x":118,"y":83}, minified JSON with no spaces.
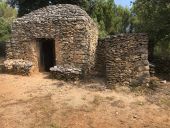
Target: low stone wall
{"x":127,"y":60}
{"x":19,"y":66}
{"x":66,"y":73}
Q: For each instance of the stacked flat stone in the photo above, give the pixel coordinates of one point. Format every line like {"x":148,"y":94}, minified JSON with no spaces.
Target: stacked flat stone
{"x":127,"y":60}
{"x":18,"y":66}
{"x":152,"y":69}
{"x":74,"y":32}
{"x":66,"y":72}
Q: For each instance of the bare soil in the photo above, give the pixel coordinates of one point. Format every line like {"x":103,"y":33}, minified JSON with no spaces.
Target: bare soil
{"x":39,"y":102}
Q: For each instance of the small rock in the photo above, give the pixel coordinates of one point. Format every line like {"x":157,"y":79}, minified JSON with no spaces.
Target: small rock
{"x":135,"y":116}
{"x":163,"y":82}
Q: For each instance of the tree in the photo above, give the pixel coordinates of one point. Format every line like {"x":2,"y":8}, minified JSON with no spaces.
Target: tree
{"x":102,"y":11}
{"x":111,"y":19}
{"x":122,"y":19}
{"x":7,"y":14}
{"x":153,"y":18}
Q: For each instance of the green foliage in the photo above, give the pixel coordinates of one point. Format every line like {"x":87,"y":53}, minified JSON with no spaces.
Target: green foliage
{"x":122,"y":19}
{"x":111,"y":19}
{"x":7,"y":14}
{"x":102,"y":12}
{"x":4,"y":30}
{"x":153,"y":17}
{"x":162,"y":50}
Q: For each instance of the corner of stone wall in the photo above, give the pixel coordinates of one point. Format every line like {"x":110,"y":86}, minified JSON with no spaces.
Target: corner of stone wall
{"x":93,"y":41}
{"x":100,"y":59}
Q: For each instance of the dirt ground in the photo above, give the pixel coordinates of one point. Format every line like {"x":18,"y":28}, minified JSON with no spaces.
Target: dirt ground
{"x":39,"y":102}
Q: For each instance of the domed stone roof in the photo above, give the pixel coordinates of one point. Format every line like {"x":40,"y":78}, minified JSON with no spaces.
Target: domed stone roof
{"x":56,"y":12}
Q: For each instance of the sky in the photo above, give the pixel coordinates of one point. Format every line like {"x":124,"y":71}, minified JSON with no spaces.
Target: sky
{"x":124,"y":3}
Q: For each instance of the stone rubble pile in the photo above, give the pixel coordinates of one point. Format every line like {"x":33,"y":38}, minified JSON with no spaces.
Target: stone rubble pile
{"x":18,"y":66}
{"x":66,"y":72}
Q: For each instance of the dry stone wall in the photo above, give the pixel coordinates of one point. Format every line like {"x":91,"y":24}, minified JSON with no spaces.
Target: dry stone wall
{"x":74,"y":32}
{"x":123,"y":59}
{"x":127,"y":60}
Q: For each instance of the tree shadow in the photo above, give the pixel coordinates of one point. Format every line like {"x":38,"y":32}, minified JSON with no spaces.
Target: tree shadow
{"x":163,"y":76}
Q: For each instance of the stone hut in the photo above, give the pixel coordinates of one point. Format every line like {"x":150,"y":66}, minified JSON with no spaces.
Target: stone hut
{"x":66,"y":38}
{"x":54,"y":35}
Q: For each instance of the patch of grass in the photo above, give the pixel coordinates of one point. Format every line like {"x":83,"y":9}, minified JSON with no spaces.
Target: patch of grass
{"x":153,"y":84}
{"x":83,"y":98}
{"x":124,"y":89}
{"x":86,"y":108}
{"x":140,"y":103}
{"x":146,"y":89}
{"x":165,"y":101}
{"x":54,"y":126}
{"x":141,"y":90}
{"x":110,"y":98}
{"x":118,"y":103}
{"x":97,"y":100}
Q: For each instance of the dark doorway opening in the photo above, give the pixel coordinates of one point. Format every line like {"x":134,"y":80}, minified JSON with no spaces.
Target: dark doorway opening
{"x":2,"y":49}
{"x":47,"y":54}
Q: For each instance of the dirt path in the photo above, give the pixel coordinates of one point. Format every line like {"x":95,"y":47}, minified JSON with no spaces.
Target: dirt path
{"x":38,"y":102}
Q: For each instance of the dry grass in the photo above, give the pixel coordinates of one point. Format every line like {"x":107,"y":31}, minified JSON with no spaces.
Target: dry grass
{"x":165,"y":101}
{"x":54,"y":126}
{"x":97,"y":100}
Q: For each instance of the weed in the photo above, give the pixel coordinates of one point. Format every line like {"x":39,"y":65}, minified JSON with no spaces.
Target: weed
{"x":110,"y":98}
{"x":97,"y":100}
{"x":140,"y":103}
{"x":165,"y":101}
{"x":54,"y":126}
